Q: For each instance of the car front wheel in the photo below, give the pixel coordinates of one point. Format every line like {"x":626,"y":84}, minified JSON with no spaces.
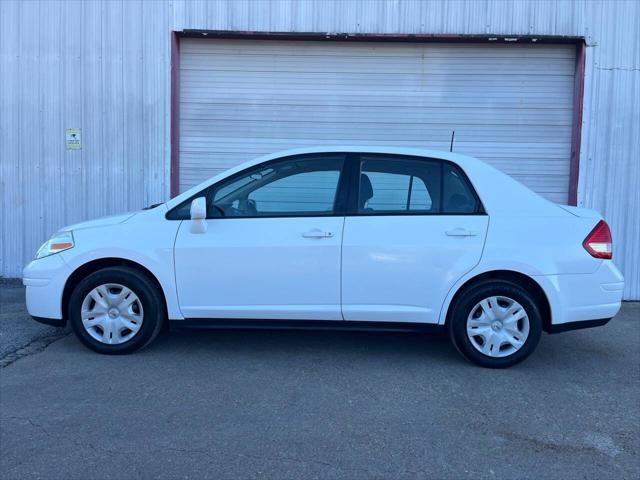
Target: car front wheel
{"x":495,"y":324}
{"x":116,"y":310}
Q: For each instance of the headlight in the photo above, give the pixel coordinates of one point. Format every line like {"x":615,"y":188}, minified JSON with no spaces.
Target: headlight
{"x":60,"y":242}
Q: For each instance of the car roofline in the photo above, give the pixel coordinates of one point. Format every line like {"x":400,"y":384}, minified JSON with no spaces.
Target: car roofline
{"x":415,"y":151}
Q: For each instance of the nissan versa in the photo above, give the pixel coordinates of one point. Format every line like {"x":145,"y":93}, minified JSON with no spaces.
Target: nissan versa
{"x":349,"y":237}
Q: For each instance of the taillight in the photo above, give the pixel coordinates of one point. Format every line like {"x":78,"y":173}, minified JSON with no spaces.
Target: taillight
{"x":598,"y":242}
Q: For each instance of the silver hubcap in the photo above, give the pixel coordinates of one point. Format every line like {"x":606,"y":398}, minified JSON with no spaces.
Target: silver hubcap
{"x":112,"y":313}
{"x":498,"y":326}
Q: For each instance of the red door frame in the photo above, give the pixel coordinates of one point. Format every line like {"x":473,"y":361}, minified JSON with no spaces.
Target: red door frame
{"x":578,"y":91}
{"x":175,"y":114}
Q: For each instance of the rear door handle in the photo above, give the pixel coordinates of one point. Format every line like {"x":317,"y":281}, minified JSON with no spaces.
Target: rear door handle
{"x":460,"y":232}
{"x":317,"y":233}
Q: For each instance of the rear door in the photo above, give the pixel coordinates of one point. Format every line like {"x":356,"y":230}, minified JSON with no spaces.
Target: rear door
{"x":415,"y":227}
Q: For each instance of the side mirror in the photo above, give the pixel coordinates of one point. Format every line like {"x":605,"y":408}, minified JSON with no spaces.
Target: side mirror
{"x":199,"y":215}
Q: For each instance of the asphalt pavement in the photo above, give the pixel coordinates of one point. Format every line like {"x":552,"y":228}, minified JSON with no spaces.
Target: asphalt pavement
{"x":305,"y":405}
{"x":19,"y":335}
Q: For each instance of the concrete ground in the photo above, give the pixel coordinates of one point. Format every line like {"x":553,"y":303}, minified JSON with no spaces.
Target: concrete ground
{"x":302,"y":405}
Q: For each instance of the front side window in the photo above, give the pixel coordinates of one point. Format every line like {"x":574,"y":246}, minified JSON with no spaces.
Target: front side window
{"x":303,"y":192}
{"x":303,"y":186}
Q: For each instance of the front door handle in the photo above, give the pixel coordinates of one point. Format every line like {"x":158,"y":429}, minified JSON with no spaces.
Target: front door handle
{"x":317,"y":233}
{"x":460,"y":232}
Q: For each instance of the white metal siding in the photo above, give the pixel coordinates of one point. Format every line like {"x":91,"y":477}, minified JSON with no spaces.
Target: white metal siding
{"x":104,"y":66}
{"x":510,"y":105}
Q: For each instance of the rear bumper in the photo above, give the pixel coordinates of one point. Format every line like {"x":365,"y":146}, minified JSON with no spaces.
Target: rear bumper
{"x":583,"y":300}
{"x":566,"y":327}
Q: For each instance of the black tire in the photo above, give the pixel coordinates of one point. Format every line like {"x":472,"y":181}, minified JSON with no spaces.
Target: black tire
{"x":146,"y":291}
{"x":469,"y":298}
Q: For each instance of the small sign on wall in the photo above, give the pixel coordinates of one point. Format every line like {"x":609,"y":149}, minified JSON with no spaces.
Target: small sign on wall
{"x":73,"y":139}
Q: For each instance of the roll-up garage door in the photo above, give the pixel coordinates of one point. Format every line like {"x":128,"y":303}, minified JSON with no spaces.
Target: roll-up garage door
{"x":510,"y":105}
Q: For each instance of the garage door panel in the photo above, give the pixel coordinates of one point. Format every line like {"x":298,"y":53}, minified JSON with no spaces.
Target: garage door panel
{"x":551,"y":186}
{"x":529,"y":166}
{"x":204,"y":78}
{"x":359,"y":98}
{"x":255,"y":64}
{"x":356,"y":49}
{"x":481,"y":148}
{"x":204,"y":112}
{"x":370,"y":94}
{"x":496,"y":93}
{"x":488,"y":149}
{"x":367,"y":131}
{"x":460,"y":93}
{"x":511,"y":105}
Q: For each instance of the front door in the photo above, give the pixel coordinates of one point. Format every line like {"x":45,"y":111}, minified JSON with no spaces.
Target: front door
{"x":416,"y":228}
{"x":271,"y":248}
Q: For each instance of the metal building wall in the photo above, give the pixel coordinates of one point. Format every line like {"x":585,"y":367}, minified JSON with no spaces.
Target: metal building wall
{"x":105,"y":67}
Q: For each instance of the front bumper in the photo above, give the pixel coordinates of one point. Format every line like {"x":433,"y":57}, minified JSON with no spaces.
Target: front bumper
{"x":52,"y":322}
{"x":45,"y":279}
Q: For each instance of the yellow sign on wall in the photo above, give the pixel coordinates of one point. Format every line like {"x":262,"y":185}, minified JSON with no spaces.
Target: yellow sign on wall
{"x":73,"y":139}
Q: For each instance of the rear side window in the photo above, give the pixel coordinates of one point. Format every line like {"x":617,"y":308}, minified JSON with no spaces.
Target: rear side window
{"x":457,"y":195}
{"x":396,"y":185}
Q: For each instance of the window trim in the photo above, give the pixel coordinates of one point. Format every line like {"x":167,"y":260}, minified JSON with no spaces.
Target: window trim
{"x":355,"y":167}
{"x":347,"y":190}
{"x":338,"y":204}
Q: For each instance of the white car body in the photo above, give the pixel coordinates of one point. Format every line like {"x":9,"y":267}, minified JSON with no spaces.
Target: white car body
{"x":258,"y":268}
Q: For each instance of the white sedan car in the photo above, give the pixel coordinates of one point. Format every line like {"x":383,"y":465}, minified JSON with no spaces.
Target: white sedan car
{"x":347,"y":237}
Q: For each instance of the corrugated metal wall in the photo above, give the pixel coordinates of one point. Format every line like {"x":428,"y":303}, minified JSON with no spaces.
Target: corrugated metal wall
{"x":105,"y":67}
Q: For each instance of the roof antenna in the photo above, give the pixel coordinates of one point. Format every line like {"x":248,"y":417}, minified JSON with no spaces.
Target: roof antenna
{"x":453,"y":135}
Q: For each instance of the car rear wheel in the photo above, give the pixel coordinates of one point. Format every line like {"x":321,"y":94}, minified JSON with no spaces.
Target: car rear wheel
{"x":116,"y":310}
{"x":495,"y":324}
